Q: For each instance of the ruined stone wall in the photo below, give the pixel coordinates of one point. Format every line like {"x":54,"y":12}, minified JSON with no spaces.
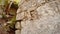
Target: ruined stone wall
{"x":38,"y":17}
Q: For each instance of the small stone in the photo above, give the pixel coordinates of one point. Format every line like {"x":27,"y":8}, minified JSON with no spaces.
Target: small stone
{"x":18,"y":25}
{"x":17,"y":32}
{"x":0,"y":16}
{"x":9,"y":22}
{"x":7,"y":16}
{"x":20,"y":16}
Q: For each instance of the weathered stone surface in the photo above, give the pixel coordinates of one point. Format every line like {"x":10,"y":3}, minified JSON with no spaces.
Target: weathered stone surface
{"x":43,"y":18}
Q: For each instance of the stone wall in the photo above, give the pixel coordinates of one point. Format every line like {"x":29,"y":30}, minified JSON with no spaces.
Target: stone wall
{"x":38,"y":17}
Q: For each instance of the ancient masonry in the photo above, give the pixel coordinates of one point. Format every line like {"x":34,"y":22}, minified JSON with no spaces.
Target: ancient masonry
{"x":38,"y":17}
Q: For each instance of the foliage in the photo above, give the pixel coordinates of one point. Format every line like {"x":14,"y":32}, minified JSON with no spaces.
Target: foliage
{"x":13,"y":12}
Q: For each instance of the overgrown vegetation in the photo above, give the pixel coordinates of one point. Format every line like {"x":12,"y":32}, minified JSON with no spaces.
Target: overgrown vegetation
{"x":9,"y":13}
